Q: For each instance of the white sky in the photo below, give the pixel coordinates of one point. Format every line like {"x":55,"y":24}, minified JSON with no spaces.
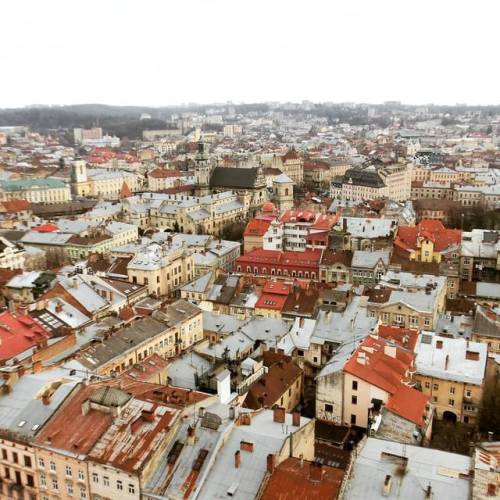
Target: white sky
{"x":161,"y":52}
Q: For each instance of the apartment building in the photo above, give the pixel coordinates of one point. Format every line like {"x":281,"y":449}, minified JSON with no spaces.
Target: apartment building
{"x":451,"y":372}
{"x":161,"y":268}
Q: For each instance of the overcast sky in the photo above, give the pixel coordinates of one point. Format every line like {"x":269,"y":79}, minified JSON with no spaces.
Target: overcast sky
{"x":161,"y":52}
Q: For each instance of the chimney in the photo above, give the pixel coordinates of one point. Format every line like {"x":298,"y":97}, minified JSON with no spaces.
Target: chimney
{"x":59,"y":307}
{"x":386,"y":489}
{"x":191,"y":433}
{"x":296,"y":419}
{"x":315,"y":472}
{"x":439,"y":344}
{"x":271,"y":463}
{"x":446,"y":361}
{"x":472,"y":355}
{"x":246,"y":446}
{"x":428,"y":492}
{"x":279,"y":415}
{"x":46,"y":399}
{"x":301,"y":323}
{"x":237,"y":459}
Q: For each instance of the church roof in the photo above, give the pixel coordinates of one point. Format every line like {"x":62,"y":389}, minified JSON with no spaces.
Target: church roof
{"x":234,"y":177}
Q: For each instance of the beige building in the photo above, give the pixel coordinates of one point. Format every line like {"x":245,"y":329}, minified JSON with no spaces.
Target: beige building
{"x":168,"y":333}
{"x":35,"y":190}
{"x":451,"y":371}
{"x":161,"y":269}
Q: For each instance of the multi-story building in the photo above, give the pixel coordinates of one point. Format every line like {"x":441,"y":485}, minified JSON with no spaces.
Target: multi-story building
{"x":480,"y":255}
{"x":408,"y":300}
{"x":428,"y":241}
{"x":293,"y":166}
{"x":167,"y":333}
{"x":12,"y":255}
{"x":451,"y":371}
{"x":277,"y":263}
{"x":35,"y":190}
{"x":368,"y":267}
{"x":161,"y":268}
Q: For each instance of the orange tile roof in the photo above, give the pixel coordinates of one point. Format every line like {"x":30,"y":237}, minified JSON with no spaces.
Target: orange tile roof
{"x":257,"y":227}
{"x":409,"y":404}
{"x":432,"y":230}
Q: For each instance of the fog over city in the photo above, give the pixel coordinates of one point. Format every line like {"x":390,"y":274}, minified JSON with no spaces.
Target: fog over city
{"x":160,"y":53}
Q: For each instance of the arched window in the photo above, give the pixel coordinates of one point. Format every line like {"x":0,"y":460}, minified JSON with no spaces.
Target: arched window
{"x":272,"y":270}
{"x":239,"y":268}
{"x":313,"y":275}
{"x":299,"y":274}
{"x":279,"y":272}
{"x":249,"y":269}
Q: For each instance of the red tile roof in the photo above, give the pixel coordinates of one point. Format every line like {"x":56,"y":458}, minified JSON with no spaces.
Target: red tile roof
{"x":309,"y":258}
{"x":257,"y":227}
{"x":432,"y":230}
{"x":18,"y":333}
{"x":163,"y":173}
{"x":405,"y":337}
{"x":125,"y":191}
{"x":14,"y":206}
{"x":291,"y":154}
{"x":381,"y":369}
{"x":271,"y":301}
{"x":276,"y":287}
{"x":409,"y":404}
{"x":46,"y":228}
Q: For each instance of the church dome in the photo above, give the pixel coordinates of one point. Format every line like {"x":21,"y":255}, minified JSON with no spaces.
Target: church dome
{"x":268,"y":207}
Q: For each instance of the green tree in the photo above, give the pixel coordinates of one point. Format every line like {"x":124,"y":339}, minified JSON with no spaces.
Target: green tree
{"x":489,"y":417}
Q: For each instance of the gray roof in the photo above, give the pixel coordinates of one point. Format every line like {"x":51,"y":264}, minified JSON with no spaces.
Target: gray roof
{"x":110,"y":397}
{"x":368,"y":260}
{"x":128,"y":338}
{"x":443,"y":471}
{"x":234,"y":177}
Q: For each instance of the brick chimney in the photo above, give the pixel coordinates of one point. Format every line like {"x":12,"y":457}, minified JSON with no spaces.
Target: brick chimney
{"x":191,"y":434}
{"x":279,"y":415}
{"x":296,"y":419}
{"x":237,"y":459}
{"x":271,"y":463}
{"x":46,"y":399}
{"x":315,"y":472}
{"x":439,"y":344}
{"x":246,"y":446}
{"x":59,"y":307}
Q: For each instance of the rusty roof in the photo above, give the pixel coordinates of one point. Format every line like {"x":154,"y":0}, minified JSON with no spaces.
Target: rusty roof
{"x":291,"y":480}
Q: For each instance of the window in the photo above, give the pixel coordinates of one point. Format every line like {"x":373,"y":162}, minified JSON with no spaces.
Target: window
{"x":353,"y":419}
{"x":131,"y":488}
{"x":354,"y":385}
{"x":468,"y":393}
{"x":95,"y":477}
{"x":427,"y":322}
{"x":451,"y":402}
{"x":55,"y":484}
{"x":435,"y":387}
{"x":43,"y":480}
{"x":328,"y":408}
{"x":15,"y":458}
{"x":27,"y":461}
{"x":300,"y":353}
{"x":81,"y":475}
{"x":452,"y":390}
{"x":52,"y":466}
{"x":68,"y":471}
{"x":434,"y":398}
{"x":119,"y":485}
{"x":7,"y":472}
{"x":105,"y":480}
{"x":354,"y":400}
{"x":30,"y":481}
{"x":427,"y":385}
{"x":83,"y":494}
{"x":69,"y":489}
{"x":4,"y":454}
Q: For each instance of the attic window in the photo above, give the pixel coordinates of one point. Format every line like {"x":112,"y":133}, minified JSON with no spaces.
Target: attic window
{"x":21,"y":423}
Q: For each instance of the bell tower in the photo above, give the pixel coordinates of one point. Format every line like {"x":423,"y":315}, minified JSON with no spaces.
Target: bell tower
{"x":78,"y":175}
{"x":202,"y":171}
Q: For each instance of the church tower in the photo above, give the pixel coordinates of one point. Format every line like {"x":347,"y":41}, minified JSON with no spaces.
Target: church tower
{"x":202,"y":171}
{"x":78,"y":177}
